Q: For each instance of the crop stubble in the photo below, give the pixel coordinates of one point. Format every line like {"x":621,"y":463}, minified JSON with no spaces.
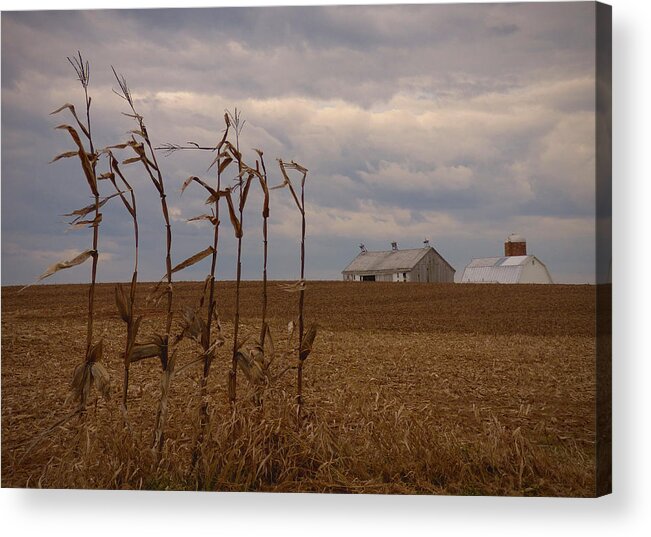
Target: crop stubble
{"x":416,"y":388}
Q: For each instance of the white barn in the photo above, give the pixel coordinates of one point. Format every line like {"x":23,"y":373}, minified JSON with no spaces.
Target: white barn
{"x":413,"y":265}
{"x":514,"y":267}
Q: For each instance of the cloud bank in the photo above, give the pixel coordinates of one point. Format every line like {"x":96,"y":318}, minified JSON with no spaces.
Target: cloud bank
{"x":456,"y":123}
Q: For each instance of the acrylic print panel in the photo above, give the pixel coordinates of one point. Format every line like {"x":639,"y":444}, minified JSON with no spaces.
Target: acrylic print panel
{"x":383,"y":275}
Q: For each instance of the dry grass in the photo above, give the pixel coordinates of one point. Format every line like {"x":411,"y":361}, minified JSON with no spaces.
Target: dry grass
{"x":418,"y":388}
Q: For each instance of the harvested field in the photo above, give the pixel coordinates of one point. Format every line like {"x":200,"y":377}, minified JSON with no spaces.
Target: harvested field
{"x":414,"y":388}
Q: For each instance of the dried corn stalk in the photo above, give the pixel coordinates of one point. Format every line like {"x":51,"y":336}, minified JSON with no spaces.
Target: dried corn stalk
{"x":146,"y":156}
{"x":300,"y":285}
{"x":90,"y":371}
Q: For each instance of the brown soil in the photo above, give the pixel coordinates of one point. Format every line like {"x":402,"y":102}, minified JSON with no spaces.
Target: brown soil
{"x":490,"y":388}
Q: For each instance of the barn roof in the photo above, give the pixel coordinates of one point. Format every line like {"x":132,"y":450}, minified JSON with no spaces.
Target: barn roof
{"x":496,"y":269}
{"x":391,"y":260}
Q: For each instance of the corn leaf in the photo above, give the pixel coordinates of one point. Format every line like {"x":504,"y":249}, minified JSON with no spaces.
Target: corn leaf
{"x":78,"y":224}
{"x":242,"y":341}
{"x":101,"y":378}
{"x":133,"y":334}
{"x":208,"y":217}
{"x":293,"y":287}
{"x":269,"y":340}
{"x":265,"y":189}
{"x":193,"y":259}
{"x":193,"y":325}
{"x":295,"y":166}
{"x":81,"y":380}
{"x":80,"y":213}
{"x":116,"y":146}
{"x":210,"y":190}
{"x":83,"y":157}
{"x":159,"y":291}
{"x":63,"y":265}
{"x":141,"y":351}
{"x":308,"y":342}
{"x":224,"y":164}
{"x":96,"y":351}
{"x":67,"y":154}
{"x":74,"y":114}
{"x":220,"y":155}
{"x":217,"y":195}
{"x":286,"y":180}
{"x":186,"y":183}
{"x":236,"y":154}
{"x":122,"y":302}
{"x":288,"y":183}
{"x":245,"y":191}
{"x":251,"y":368}
{"x":237,"y":226}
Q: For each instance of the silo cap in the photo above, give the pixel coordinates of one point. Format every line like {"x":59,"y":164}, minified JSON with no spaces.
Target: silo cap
{"x":515,"y":237}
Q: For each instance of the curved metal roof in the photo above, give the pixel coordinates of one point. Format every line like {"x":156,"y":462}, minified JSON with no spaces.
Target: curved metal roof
{"x":395,"y":260}
{"x":498,"y":269}
{"x":504,"y":261}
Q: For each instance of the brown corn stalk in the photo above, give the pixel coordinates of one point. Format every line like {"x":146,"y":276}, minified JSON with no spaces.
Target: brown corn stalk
{"x":208,"y":346}
{"x":126,"y":304}
{"x":212,"y":303}
{"x":265,"y":217}
{"x":90,"y":370}
{"x":209,"y":354}
{"x":83,"y":73}
{"x":255,"y":362}
{"x":238,"y":124}
{"x":149,"y":162}
{"x":304,"y":341}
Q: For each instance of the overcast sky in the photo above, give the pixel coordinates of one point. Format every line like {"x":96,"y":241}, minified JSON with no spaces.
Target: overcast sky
{"x":456,"y":123}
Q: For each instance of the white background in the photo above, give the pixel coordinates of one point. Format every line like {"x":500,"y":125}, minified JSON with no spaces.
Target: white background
{"x":625,"y":512}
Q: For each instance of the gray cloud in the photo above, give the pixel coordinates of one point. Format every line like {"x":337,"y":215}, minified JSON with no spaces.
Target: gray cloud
{"x":461,"y":123}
